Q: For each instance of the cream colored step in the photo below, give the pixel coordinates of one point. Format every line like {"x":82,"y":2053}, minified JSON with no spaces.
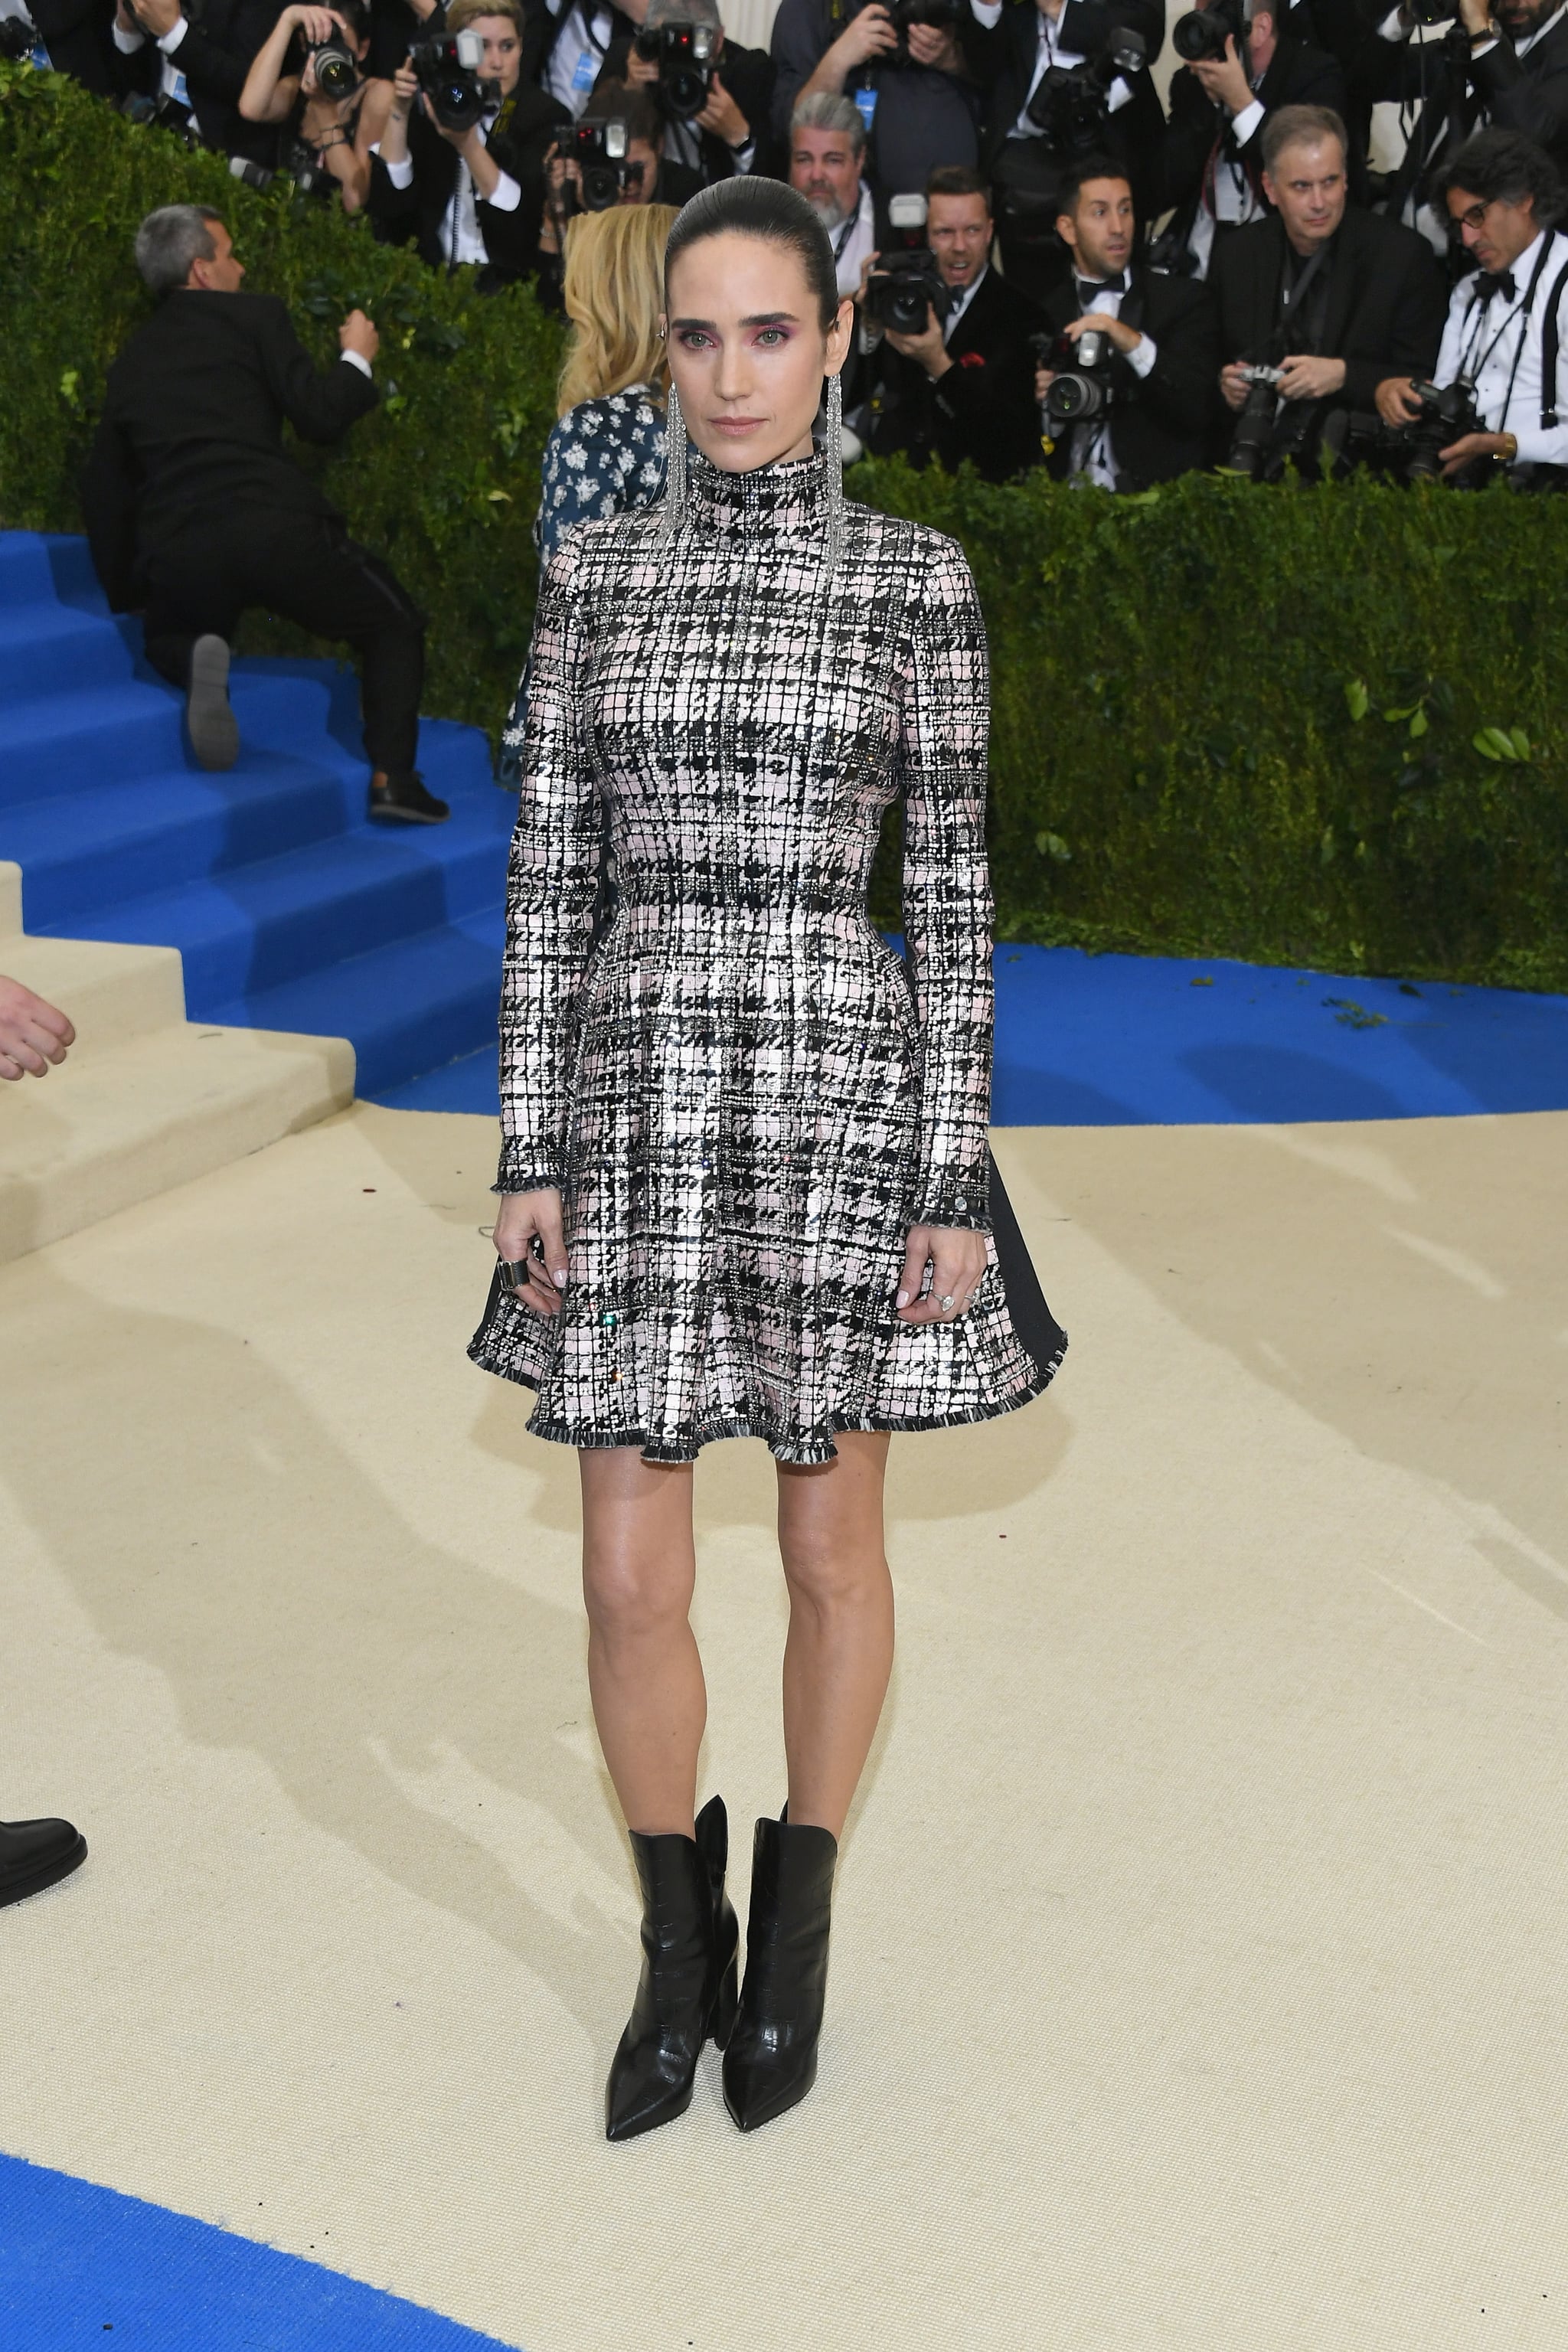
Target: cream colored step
{"x":144,"y":1100}
{"x":116,"y":1126}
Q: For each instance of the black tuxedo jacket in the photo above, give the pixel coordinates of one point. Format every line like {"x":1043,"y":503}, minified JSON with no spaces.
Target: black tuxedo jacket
{"x":1006,"y":62}
{"x":1528,"y":94}
{"x":1296,"y":76}
{"x":1386,"y":300}
{"x":541,"y":31}
{"x":414,"y":214}
{"x":1166,"y":424}
{"x":982,"y":408}
{"x":748,"y":76}
{"x":214,"y":57}
{"x":78,"y":38}
{"x":192,"y":430}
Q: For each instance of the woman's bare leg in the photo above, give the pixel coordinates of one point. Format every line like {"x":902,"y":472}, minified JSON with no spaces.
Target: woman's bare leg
{"x":639,"y":1568}
{"x":839,"y":1652}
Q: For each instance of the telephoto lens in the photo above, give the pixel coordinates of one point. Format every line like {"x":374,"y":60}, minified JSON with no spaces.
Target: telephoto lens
{"x":446,"y":65}
{"x":600,"y":149}
{"x":684,"y":54}
{"x":337,"y":70}
{"x":1200,"y":36}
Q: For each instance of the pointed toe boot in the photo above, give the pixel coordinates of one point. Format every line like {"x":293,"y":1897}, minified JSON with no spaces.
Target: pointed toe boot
{"x":770,"y":2062}
{"x":688,"y":1986}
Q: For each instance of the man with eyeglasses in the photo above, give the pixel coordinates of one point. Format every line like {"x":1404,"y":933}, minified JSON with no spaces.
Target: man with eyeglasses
{"x":1506,"y":331}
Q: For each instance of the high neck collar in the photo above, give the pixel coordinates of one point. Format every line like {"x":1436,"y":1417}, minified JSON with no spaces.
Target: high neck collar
{"x":788,"y":499}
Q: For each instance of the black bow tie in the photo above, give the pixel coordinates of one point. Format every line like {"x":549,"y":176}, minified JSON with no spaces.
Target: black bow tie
{"x":1501,"y":284}
{"x":1090,"y":289}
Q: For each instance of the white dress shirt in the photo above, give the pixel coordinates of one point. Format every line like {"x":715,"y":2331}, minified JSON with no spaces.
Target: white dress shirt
{"x":962,"y":299}
{"x":1049,"y":52}
{"x":461,"y":238}
{"x":1481,"y":342}
{"x":852,"y":239}
{"x":1092,"y":453}
{"x":577,"y":55}
{"x":171,"y":80}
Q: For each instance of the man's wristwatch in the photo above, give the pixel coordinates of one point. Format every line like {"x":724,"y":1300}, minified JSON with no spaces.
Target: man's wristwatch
{"x":1508,"y":456}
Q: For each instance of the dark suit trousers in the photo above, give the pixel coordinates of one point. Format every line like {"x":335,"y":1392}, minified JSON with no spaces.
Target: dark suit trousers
{"x":306,"y":568}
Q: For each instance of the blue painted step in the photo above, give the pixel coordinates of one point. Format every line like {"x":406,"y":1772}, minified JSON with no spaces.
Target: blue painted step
{"x":290,"y":909}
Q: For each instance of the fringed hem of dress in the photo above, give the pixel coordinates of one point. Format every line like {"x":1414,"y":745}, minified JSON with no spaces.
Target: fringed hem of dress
{"x":807,"y":1448}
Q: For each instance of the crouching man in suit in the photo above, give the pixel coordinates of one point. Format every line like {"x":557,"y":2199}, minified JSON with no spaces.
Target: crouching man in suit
{"x":963,"y":386}
{"x":193,"y":511}
{"x":1145,"y":411}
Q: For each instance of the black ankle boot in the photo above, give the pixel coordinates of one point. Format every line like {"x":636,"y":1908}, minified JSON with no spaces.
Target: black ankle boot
{"x":770,"y":2062}
{"x":687,"y":1990}
{"x":35,"y":1854}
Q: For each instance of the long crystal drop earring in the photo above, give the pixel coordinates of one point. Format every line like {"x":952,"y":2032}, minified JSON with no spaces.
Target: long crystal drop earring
{"x":674,"y":465}
{"x":833,"y":458}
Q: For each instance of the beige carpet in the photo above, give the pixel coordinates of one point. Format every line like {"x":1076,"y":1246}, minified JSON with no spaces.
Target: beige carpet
{"x":1202,"y":1952}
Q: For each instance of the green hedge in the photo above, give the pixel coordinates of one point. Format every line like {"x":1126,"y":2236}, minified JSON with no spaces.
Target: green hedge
{"x":1302,"y":725}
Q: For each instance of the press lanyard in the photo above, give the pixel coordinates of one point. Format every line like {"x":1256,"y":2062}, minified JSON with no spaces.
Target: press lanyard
{"x":1521,"y":310}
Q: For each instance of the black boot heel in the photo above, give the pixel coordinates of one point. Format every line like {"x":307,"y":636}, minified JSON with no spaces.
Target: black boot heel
{"x":689,"y":1933}
{"x":770,"y":2061}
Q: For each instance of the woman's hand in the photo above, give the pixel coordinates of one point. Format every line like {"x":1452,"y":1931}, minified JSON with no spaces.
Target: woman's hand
{"x":405,"y":90}
{"x":523,"y":1217}
{"x":957,"y":1261}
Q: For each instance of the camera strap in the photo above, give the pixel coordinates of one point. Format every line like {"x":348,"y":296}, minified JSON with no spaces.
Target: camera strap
{"x":1471,"y":371}
{"x":1291,"y":296}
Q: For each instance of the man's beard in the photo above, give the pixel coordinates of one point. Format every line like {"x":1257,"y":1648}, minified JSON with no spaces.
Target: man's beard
{"x":1523,"y":17}
{"x":829,"y":210}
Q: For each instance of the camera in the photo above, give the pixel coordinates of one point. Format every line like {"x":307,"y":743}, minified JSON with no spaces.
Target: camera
{"x":18,"y":38}
{"x":1270,"y":432}
{"x":1415,"y":451}
{"x":308,"y":179}
{"x":164,"y":112}
{"x":684,"y":54}
{"x":906,"y":283}
{"x":446,"y":67}
{"x":1200,"y":35}
{"x":337,"y":69}
{"x":905,"y":13}
{"x":1433,"y":12}
{"x":1083,"y":386}
{"x":599,"y":151}
{"x":1071,"y":106}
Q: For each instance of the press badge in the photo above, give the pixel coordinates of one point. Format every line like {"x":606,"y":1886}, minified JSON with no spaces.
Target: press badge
{"x":586,"y":72}
{"x":179,"y":93}
{"x":866,"y":99}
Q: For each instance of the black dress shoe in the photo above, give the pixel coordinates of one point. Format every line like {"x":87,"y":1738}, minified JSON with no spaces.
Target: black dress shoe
{"x":687,"y":1990}
{"x":214,"y":729}
{"x":34,"y":1854}
{"x":770,"y":2062}
{"x":403,"y":800}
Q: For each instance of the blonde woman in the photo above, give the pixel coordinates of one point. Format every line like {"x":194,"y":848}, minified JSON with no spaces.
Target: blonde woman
{"x":607,"y":454}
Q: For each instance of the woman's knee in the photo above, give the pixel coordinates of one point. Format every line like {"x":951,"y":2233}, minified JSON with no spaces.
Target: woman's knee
{"x":631,"y":1595}
{"x":825,"y":1573}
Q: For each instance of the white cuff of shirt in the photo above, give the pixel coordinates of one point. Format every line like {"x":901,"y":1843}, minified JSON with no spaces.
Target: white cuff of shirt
{"x":128,"y":43}
{"x":986,"y":12}
{"x":170,"y":41}
{"x":505,"y":196}
{"x":1245,"y":125}
{"x":1391,"y":29}
{"x":358,"y":360}
{"x":1119,"y":95}
{"x":400,"y":173}
{"x":745,"y":155}
{"x":1143,"y":356}
{"x":1485,"y":50}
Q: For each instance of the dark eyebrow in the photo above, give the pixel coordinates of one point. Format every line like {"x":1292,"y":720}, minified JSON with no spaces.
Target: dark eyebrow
{"x":757,"y":319}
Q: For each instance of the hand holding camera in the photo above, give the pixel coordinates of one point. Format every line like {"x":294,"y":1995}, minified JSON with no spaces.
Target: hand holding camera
{"x":358,"y":334}
{"x":866,"y":37}
{"x":154,"y":18}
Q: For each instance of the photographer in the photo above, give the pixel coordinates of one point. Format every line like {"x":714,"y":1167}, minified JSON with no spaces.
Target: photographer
{"x":1507,"y":329}
{"x":193,"y":69}
{"x":1331,"y":300}
{"x":583,"y":174}
{"x":826,"y":165}
{"x":960,"y":385}
{"x":1242,"y":66}
{"x":458,"y":169}
{"x":1505,"y":66}
{"x":1145,"y":409}
{"x":905,"y":66}
{"x":714,"y":131}
{"x":72,"y":38}
{"x":566,"y":43}
{"x":1065,"y":81}
{"x":194,"y":512}
{"x":307,"y":79}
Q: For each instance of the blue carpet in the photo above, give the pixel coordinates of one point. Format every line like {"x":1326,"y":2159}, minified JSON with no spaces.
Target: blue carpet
{"x":79,"y":2264}
{"x":1123,"y":1041}
{"x":291,"y":911}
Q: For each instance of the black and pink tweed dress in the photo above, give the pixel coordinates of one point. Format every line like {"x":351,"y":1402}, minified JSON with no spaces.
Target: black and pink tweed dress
{"x":744,"y":1095}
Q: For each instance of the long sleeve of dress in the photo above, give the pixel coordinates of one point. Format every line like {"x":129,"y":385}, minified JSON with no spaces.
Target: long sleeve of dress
{"x":552,"y":885}
{"x":948,"y":904}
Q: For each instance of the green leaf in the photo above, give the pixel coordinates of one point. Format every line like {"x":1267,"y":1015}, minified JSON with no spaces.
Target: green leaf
{"x":1520,"y":741}
{"x":1051,"y":845}
{"x":1482,"y":739}
{"x":1495,"y":743}
{"x":1418,"y":725}
{"x":1405,"y":710}
{"x":1357,"y":701}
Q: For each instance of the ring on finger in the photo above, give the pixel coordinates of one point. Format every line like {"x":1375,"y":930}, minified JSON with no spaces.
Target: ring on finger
{"x":515,"y":1270}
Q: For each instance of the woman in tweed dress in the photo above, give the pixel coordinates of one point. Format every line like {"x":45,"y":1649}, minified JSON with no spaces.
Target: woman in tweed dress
{"x":746,"y":1187}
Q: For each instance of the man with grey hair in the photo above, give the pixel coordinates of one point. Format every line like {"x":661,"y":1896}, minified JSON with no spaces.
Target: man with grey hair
{"x":730,"y":132}
{"x":193,"y":511}
{"x":1213,"y":160}
{"x":827,"y":165}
